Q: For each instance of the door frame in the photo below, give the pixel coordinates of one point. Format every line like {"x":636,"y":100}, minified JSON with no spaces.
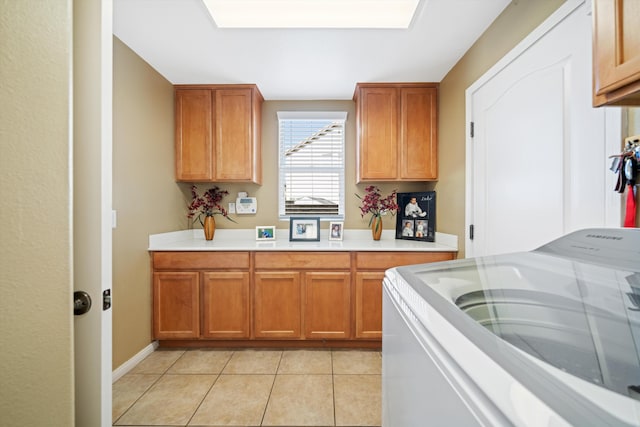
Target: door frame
{"x":92,"y":200}
{"x":613,"y":122}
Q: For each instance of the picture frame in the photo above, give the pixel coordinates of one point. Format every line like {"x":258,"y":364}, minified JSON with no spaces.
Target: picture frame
{"x":304,"y":229}
{"x":336,"y":230}
{"x":416,"y":218}
{"x":266,"y":232}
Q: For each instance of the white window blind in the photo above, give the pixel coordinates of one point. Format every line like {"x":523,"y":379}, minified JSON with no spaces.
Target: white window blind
{"x":311,"y":164}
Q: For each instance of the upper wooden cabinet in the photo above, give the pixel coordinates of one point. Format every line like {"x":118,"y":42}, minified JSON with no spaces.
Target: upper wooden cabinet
{"x":218,"y":133}
{"x":616,"y":52}
{"x":397,"y":131}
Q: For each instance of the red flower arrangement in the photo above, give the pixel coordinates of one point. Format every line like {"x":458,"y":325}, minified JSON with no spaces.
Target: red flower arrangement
{"x":373,"y":203}
{"x":208,"y":204}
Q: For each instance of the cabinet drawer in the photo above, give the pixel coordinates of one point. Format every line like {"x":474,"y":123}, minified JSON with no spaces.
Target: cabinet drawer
{"x":385,"y":260}
{"x":200,"y":260}
{"x":302,"y":260}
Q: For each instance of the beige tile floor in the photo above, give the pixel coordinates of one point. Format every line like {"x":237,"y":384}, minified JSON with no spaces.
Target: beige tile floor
{"x":250,"y":388}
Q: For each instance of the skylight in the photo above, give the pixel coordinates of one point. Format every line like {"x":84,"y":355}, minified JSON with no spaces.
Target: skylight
{"x":312,"y":13}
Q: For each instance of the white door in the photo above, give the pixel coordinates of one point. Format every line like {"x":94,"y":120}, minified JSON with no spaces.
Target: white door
{"x":536,"y":164}
{"x":92,"y":118}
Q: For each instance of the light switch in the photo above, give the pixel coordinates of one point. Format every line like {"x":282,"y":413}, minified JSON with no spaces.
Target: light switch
{"x":232,"y":207}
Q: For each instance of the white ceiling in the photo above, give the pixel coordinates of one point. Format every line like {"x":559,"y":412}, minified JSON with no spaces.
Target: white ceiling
{"x":180,"y":40}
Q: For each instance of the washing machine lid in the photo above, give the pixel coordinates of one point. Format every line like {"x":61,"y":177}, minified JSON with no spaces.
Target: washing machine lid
{"x":573,"y":304}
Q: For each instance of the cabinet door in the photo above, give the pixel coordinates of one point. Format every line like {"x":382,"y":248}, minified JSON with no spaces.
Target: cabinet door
{"x":176,"y":304}
{"x":378,"y":139}
{"x":418,"y":133}
{"x":327,"y":305}
{"x":234,"y":147}
{"x":369,"y":305}
{"x":616,"y":53}
{"x":225,"y":305}
{"x":616,"y":44}
{"x":194,"y":135}
{"x":277,"y":309}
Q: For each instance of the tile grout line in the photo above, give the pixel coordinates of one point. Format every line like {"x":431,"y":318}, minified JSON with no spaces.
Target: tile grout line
{"x":264,"y":412}
{"x":161,"y":375}
{"x":333,"y":386}
{"x":114,"y":422}
{"x":164,"y":374}
{"x":210,"y":388}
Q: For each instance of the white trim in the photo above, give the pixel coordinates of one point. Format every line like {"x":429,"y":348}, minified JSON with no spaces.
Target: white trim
{"x":554,"y":19}
{"x":127,"y":366}
{"x":612,"y":135}
{"x":386,"y":14}
{"x":312,"y":115}
{"x":106,"y":195}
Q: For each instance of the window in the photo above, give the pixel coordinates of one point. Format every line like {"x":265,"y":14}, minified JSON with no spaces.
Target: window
{"x":311,"y":164}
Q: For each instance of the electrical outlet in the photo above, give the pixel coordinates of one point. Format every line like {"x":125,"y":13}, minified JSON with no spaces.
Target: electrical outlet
{"x":232,"y":207}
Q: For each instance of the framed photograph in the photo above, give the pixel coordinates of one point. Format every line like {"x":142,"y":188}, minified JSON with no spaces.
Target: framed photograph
{"x":335,"y":230}
{"x":416,"y":219}
{"x":266,"y":232}
{"x":304,"y":229}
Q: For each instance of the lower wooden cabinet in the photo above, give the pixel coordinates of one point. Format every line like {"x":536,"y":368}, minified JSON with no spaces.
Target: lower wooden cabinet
{"x":277,"y":297}
{"x":225,"y":305}
{"x":327,"y":305}
{"x":289,"y":296}
{"x":201,"y":295}
{"x":176,"y":305}
{"x":302,"y":295}
{"x":368,"y":305}
{"x":370,"y":268}
{"x":297,"y":305}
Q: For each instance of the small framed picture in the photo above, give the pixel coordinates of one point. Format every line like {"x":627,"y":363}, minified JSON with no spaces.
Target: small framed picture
{"x":266,"y":232}
{"x":335,"y":230}
{"x":304,"y":229}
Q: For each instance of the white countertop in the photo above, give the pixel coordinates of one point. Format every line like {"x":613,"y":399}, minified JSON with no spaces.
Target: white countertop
{"x":245,"y":240}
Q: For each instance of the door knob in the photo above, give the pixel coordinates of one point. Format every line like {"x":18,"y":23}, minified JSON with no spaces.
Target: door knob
{"x":81,"y":302}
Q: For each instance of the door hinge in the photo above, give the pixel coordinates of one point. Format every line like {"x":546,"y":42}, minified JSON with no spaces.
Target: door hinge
{"x":471,"y":130}
{"x":471,"y":232}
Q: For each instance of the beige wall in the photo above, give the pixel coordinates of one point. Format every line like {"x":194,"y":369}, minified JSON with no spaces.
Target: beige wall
{"x":516,"y":22}
{"x":267,"y":193}
{"x":632,"y":120}
{"x":36,"y":361}
{"x":145,"y":195}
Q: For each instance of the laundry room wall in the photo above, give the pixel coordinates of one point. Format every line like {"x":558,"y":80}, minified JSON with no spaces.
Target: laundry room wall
{"x":514,"y":24}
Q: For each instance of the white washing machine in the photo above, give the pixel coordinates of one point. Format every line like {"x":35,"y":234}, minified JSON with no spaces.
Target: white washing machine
{"x":549,"y":337}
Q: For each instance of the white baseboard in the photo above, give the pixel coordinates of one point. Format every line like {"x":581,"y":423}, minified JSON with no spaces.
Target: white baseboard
{"x":131,"y":363}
